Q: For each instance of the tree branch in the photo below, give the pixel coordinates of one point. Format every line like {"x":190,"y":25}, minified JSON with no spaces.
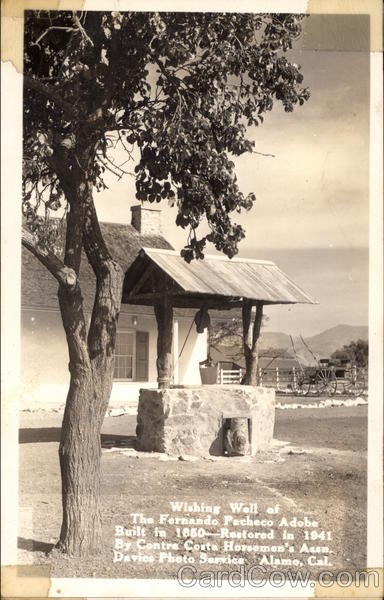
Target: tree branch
{"x":263,"y":153}
{"x":109,"y":283}
{"x":82,"y":30}
{"x":64,"y":275}
{"x":257,"y":324}
{"x":36,"y":43}
{"x":48,"y":91}
{"x":93,"y":241}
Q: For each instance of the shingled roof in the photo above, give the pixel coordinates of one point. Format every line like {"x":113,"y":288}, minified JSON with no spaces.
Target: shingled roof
{"x":39,"y":288}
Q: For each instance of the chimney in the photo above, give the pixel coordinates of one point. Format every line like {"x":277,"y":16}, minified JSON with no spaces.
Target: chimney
{"x":146,"y":220}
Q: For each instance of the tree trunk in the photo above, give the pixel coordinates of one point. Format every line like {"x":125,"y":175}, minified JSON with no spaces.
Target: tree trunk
{"x":80,"y":454}
{"x":251,"y":365}
{"x":164,"y":318}
{"x":91,"y":363}
{"x":91,"y":358}
{"x":250,"y":339}
{"x":91,"y":367}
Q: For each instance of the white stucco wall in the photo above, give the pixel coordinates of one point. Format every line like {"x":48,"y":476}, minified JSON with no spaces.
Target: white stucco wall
{"x":195,"y":351}
{"x":44,"y":358}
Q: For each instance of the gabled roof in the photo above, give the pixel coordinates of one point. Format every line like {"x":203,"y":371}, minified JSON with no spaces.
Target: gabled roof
{"x":213,"y":278}
{"x":39,"y":288}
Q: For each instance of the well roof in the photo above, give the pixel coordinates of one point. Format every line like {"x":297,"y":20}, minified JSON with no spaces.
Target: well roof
{"x":215,"y":277}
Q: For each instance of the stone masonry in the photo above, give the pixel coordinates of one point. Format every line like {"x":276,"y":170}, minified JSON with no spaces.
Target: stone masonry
{"x":189,"y":420}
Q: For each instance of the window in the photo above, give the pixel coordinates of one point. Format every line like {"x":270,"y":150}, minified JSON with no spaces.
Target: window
{"x":142,"y":355}
{"x":131,"y":356}
{"x":124,"y":355}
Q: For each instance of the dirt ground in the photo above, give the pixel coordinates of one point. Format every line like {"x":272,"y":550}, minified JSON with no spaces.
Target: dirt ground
{"x":316,"y":468}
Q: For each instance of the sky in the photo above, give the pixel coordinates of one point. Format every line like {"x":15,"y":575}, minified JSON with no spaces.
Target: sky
{"x":311,"y":212}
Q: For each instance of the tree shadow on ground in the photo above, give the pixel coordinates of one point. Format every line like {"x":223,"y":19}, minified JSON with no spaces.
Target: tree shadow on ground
{"x":37,"y":435}
{"x":33,"y":545}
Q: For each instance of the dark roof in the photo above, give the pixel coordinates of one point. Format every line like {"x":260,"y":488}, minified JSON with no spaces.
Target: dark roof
{"x":39,"y":288}
{"x":233,"y":354}
{"x":215,"y":277}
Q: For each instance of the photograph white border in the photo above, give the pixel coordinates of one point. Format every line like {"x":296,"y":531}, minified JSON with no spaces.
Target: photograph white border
{"x":11,"y":252}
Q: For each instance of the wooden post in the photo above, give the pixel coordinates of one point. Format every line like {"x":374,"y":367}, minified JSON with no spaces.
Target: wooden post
{"x":294,"y":379}
{"x":164,"y":318}
{"x":175,"y":352}
{"x":250,"y":339}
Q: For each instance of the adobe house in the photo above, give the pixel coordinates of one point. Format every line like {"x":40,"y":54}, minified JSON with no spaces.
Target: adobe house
{"x":44,"y":356}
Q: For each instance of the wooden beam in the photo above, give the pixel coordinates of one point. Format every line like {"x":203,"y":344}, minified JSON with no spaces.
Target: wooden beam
{"x":164,"y":318}
{"x":160,"y":282}
{"x":182,"y":300}
{"x":175,"y":351}
{"x":257,"y":323}
{"x":250,"y":339}
{"x":142,"y":279}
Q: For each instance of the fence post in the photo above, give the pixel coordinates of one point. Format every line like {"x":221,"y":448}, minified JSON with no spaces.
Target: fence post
{"x":260,"y":376}
{"x":277,"y":377}
{"x":221,"y":377}
{"x":240,"y":375}
{"x":294,"y":378}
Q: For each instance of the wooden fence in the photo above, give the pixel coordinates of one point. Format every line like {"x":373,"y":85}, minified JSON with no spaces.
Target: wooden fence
{"x":226,"y":376}
{"x":352,"y":382}
{"x":280,"y":379}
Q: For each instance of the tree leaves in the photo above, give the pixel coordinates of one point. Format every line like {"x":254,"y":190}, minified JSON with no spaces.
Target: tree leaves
{"x":356,"y":351}
{"x":182,"y":87}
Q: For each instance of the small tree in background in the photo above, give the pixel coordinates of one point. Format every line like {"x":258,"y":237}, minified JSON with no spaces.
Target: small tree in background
{"x":357,"y":352}
{"x":228,"y":336}
{"x":181,"y":89}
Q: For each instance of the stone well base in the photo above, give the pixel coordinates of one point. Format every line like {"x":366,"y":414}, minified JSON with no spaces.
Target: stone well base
{"x":189,"y":420}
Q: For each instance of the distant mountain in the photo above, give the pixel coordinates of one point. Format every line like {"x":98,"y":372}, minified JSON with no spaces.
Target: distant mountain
{"x":274,"y":339}
{"x":323,"y":344}
{"x":335,"y":338}
{"x":307,"y":352}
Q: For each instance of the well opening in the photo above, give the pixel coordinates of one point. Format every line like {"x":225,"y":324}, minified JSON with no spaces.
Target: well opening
{"x":237,"y":435}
